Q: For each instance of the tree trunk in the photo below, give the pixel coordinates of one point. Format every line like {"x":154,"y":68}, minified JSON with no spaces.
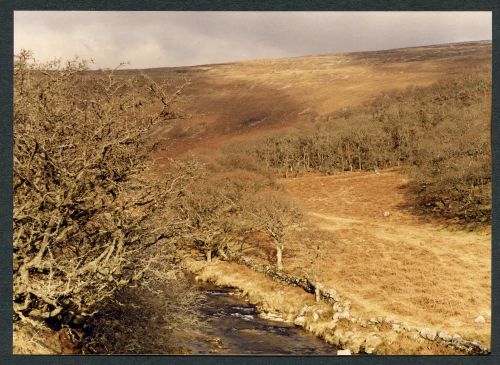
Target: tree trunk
{"x":279,"y":257}
{"x":359,"y":157}
{"x":317,"y":294}
{"x":349,"y":156}
{"x":341,"y":148}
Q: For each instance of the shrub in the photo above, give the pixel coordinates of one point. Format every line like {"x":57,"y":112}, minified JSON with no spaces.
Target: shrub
{"x":84,"y":204}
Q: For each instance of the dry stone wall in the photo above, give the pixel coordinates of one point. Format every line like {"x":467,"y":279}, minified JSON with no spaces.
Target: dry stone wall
{"x":368,"y":337}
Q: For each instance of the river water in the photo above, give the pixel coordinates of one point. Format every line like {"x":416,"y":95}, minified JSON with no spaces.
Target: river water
{"x":233,"y":326}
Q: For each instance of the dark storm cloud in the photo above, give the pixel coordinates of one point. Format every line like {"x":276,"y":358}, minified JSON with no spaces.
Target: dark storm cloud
{"x":154,"y":39}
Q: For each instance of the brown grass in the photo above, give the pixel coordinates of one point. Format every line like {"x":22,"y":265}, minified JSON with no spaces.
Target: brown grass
{"x":396,"y":266}
{"x":28,"y":340}
{"x":243,"y":100}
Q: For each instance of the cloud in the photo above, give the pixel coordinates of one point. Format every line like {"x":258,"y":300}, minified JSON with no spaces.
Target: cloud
{"x":156,"y":39}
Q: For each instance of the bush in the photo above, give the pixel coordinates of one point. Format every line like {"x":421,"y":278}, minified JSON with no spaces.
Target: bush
{"x":84,"y":204}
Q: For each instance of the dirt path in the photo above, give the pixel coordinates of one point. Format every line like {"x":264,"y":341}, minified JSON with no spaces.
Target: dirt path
{"x":395,"y":265}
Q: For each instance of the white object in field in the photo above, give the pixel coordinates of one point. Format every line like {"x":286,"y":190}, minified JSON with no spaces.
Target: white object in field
{"x":386,"y":214}
{"x":479,"y":319}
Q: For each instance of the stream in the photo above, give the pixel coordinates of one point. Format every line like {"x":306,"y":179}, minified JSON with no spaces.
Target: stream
{"x":233,"y":326}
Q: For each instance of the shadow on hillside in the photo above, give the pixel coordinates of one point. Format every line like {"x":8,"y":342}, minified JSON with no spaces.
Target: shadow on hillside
{"x":217,"y":109}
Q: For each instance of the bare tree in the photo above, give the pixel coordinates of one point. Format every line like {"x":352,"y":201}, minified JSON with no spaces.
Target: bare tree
{"x":274,"y":213}
{"x":83,"y":200}
{"x":209,"y":214}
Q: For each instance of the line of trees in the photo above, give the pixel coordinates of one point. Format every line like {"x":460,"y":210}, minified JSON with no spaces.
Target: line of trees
{"x":230,"y":201}
{"x":441,"y":132}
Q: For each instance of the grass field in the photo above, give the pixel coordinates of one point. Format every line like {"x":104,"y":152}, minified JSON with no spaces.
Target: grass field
{"x":399,"y":265}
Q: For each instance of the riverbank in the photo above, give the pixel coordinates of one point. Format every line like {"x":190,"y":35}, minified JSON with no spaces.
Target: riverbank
{"x":292,"y":304}
{"x":230,"y":325}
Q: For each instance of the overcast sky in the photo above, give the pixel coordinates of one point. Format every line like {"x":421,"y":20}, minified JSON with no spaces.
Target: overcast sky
{"x":156,"y":39}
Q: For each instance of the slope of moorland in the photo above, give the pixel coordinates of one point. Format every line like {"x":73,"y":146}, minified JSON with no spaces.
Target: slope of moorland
{"x":383,"y":211}
{"x":241,"y":100}
{"x":361,"y":235}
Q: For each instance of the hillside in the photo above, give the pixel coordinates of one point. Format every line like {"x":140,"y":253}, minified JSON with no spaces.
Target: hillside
{"x":346,"y":194}
{"x":241,"y":100}
{"x":404,"y":265}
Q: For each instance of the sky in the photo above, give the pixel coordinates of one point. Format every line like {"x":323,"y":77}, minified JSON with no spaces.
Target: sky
{"x":164,"y":39}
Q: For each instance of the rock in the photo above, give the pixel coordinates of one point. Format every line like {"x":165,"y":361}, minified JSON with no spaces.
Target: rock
{"x":330,"y":338}
{"x":347,"y":305}
{"x":428,"y":333}
{"x":456,"y":338}
{"x":332,"y":294}
{"x":390,"y":337}
{"x":355,"y":343}
{"x":484,"y":349}
{"x":272,"y":316}
{"x":414,"y":336}
{"x":336,"y":307}
{"x":344,"y":315}
{"x":386,"y":214}
{"x":315,"y":316}
{"x":343,"y":352}
{"x":479,"y":319}
{"x":300,"y":321}
{"x":337,"y":334}
{"x":303,"y":310}
{"x":317,"y":292}
{"x":216,"y":341}
{"x":344,"y":338}
{"x":363,"y":324}
{"x":349,"y":334}
{"x":371,"y":343}
{"x":405,"y":326}
{"x":396,"y":327}
{"x":444,"y":336}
